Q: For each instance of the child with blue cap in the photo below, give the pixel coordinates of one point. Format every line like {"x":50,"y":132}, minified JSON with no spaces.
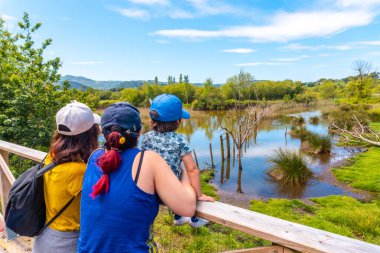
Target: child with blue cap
{"x":166,"y":113}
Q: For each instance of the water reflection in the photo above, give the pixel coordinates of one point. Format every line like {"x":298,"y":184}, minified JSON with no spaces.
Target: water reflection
{"x":249,"y":176}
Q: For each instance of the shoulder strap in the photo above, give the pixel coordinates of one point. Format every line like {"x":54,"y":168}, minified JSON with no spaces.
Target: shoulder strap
{"x":45,"y":169}
{"x":139,"y":167}
{"x":57,"y":215}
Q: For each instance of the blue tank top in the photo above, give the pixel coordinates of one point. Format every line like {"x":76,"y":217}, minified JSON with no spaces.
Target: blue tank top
{"x":117,"y":221}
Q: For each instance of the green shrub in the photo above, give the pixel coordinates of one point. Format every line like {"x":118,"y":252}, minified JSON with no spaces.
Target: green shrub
{"x":298,"y":121}
{"x":289,"y":167}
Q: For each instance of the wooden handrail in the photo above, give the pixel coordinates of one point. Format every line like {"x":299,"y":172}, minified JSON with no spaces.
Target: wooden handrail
{"x":285,"y":233}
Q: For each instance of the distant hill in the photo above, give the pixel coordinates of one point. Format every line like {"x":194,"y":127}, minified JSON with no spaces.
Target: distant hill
{"x":84,"y":83}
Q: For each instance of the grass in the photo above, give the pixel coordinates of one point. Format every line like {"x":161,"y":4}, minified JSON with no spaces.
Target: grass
{"x":337,"y":214}
{"x":318,"y":144}
{"x":314,"y":120}
{"x":298,"y":121}
{"x":298,"y":132}
{"x":209,"y":238}
{"x":364,"y":173}
{"x":375,"y":126}
{"x":289,"y":167}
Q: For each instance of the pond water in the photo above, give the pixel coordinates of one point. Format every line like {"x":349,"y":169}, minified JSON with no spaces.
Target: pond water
{"x":203,"y":129}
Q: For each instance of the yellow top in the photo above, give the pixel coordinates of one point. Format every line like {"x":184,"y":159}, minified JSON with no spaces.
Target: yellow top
{"x":60,"y":185}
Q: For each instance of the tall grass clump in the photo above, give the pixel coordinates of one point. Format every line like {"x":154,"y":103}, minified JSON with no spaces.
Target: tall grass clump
{"x":298,"y":132}
{"x":298,"y":121}
{"x":318,"y":144}
{"x":314,"y":120}
{"x":289,"y":167}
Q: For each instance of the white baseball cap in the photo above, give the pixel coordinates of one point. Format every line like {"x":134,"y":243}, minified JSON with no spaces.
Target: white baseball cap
{"x":74,"y":118}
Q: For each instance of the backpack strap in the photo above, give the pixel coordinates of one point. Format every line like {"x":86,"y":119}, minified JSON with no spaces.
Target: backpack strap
{"x":57,"y":215}
{"x":139,"y":167}
{"x":45,"y":169}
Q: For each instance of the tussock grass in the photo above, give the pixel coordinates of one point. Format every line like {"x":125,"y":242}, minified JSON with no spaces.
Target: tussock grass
{"x":298,"y":121}
{"x":289,"y":167}
{"x":314,"y":120}
{"x":318,"y":144}
{"x":298,"y":132}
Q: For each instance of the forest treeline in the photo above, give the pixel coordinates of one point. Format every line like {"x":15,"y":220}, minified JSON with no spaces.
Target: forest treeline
{"x":30,"y":93}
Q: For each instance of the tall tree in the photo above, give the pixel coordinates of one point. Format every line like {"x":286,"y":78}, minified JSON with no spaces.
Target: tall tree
{"x":186,"y":79}
{"x":156,"y":80}
{"x":29,"y":96}
{"x":180,"y":78}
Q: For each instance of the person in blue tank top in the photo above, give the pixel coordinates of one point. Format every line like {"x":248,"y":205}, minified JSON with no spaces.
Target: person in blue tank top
{"x":122,"y":187}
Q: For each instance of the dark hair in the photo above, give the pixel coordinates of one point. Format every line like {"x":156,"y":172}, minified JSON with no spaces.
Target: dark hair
{"x":110,"y":160}
{"x":66,"y":148}
{"x":163,"y":127}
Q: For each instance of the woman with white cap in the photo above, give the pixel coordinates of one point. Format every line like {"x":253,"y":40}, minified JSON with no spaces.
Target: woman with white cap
{"x":122,"y":187}
{"x":72,"y":144}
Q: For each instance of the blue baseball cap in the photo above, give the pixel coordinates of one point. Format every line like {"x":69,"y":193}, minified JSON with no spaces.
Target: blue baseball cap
{"x":121,"y":115}
{"x":169,"y":108}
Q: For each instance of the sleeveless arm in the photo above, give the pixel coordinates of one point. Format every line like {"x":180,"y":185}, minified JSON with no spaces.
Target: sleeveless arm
{"x":179,"y":196}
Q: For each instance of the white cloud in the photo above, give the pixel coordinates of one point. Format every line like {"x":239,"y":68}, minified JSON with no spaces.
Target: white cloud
{"x":6,"y":17}
{"x":132,"y":13}
{"x":254,"y":64}
{"x":86,"y":62}
{"x":368,"y":43}
{"x":288,"y":59}
{"x":357,"y":3}
{"x":299,"y":47}
{"x":213,"y":7}
{"x":284,"y":27}
{"x":150,"y":2}
{"x":239,"y":50}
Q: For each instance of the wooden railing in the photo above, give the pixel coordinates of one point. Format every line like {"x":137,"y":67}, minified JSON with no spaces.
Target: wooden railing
{"x":286,"y":236}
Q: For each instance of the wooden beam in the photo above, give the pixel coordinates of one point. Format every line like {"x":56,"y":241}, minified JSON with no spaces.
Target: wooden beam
{"x":265,"y":249}
{"x":289,"y":234}
{"x":22,"y":151}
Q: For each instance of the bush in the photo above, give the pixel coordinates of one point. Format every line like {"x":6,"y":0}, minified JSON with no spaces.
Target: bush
{"x":298,"y":121}
{"x":289,"y":167}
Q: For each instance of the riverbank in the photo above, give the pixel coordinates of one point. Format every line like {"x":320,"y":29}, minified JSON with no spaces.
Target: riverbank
{"x":343,"y":215}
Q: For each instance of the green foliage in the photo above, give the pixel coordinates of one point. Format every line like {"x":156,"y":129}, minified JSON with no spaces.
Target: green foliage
{"x":364,"y":173}
{"x":328,"y":89}
{"x":337,"y":214}
{"x":298,"y":121}
{"x":289,"y":167}
{"x":298,"y":132}
{"x":208,"y":189}
{"x":29,"y":97}
{"x":318,"y":144}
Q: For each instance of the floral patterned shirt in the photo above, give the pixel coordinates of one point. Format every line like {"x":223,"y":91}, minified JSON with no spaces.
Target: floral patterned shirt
{"x":170,"y":145}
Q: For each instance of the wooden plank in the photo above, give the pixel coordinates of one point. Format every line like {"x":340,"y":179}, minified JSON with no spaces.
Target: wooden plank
{"x":266,"y":249}
{"x":22,"y":151}
{"x":5,"y":169}
{"x":286,"y":233}
{"x":18,"y":245}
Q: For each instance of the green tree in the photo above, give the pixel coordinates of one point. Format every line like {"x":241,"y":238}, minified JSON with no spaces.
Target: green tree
{"x":327,"y":89}
{"x":29,"y":96}
{"x":186,"y":79}
{"x":156,"y":80}
{"x":180,"y":78}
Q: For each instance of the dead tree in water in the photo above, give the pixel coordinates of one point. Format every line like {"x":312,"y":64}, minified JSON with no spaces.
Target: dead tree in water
{"x":246,"y":116}
{"x":360,"y":132}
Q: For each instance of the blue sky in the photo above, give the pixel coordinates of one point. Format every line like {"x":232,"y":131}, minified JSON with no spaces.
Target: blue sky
{"x":139,"y":39}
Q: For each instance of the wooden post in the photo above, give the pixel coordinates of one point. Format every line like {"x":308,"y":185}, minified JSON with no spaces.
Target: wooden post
{"x":222,"y":172}
{"x":212,"y":157}
{"x":228,"y":145}
{"x":6,"y":181}
{"x":196,"y":159}
{"x":221,"y":147}
{"x":228,"y":168}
